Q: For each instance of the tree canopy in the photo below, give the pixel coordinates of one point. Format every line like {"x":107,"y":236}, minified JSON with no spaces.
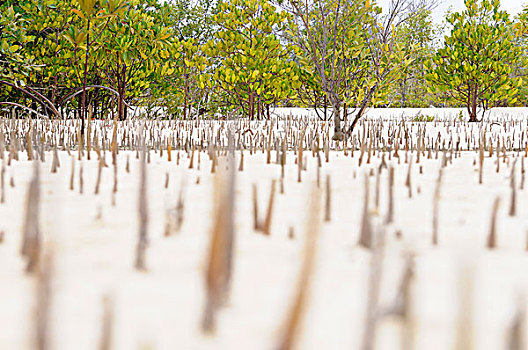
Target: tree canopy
{"x":184,"y":58}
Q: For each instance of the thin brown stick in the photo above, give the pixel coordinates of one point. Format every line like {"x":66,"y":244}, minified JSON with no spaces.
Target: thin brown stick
{"x":390,"y":211}
{"x":99,"y":174}
{"x":169,"y":150}
{"x":328,"y":200}
{"x":55,"y":162}
{"x":492,"y":236}
{"x":81,"y":178}
{"x":300,"y":159}
{"x":72,"y":176}
{"x":481,"y":161}
{"x":408,"y":179}
{"x":365,"y":233}
{"x":241,"y":165}
{"x":513,"y":197}
{"x":256,"y":221}
{"x":266,"y":226}
{"x":191,"y":163}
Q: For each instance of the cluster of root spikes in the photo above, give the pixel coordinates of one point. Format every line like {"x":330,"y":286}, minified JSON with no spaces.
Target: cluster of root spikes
{"x":302,"y":152}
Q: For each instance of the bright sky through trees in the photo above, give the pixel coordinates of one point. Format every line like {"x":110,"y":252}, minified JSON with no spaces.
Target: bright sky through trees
{"x":512,"y":6}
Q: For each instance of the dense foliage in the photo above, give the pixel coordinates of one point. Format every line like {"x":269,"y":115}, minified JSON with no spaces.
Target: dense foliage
{"x":475,"y":63}
{"x":184,"y":58}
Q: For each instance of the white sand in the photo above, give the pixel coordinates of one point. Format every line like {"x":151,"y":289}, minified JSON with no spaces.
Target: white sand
{"x":162,"y":308}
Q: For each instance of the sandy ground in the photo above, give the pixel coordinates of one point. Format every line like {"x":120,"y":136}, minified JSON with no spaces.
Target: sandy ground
{"x":410,"y":113}
{"x":94,"y":242}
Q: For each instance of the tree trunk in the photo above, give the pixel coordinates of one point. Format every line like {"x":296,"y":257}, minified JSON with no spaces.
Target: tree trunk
{"x":251,"y":109}
{"x":325,"y":108}
{"x":473,"y":110}
{"x":79,"y":107}
{"x":83,"y":114}
{"x":33,"y":107}
{"x":122,"y":90}
{"x":338,"y":135}
{"x":120,"y":105}
{"x":362,"y":109}
{"x":54,"y":89}
{"x":357,"y":118}
{"x":345,"y":113}
{"x":186,"y":94}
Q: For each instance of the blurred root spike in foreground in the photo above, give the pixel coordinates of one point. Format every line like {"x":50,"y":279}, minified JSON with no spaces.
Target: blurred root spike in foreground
{"x":31,"y":231}
{"x":43,"y":296}
{"x":221,"y":249}
{"x":142,"y":243}
{"x":107,"y":324}
{"x":294,"y":318}
{"x":466,"y":293}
